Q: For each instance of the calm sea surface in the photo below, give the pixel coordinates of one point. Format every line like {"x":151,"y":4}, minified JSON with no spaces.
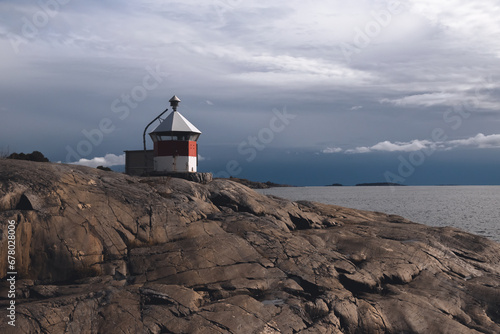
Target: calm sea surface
{"x":472,"y":208}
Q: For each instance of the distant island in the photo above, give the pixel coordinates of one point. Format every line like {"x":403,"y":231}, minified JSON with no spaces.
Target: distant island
{"x":335,"y":185}
{"x":378,"y":184}
{"x":258,"y":185}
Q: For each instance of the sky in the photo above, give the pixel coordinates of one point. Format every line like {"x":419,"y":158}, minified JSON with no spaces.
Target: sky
{"x":304,"y":93}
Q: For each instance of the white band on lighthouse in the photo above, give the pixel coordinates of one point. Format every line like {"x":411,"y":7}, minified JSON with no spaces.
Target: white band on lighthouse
{"x":175,"y":164}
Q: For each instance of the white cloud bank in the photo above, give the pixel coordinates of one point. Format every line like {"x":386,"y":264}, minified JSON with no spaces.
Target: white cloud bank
{"x":247,"y":56}
{"x":106,"y":161}
{"x":111,"y":160}
{"x":387,"y":146}
{"x":469,"y":99}
{"x":330,"y":150}
{"x":425,"y":100}
{"x":478,"y":141}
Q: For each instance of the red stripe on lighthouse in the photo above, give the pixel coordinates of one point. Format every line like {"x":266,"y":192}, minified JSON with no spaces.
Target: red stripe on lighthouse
{"x":175,"y":148}
{"x":193,"y":149}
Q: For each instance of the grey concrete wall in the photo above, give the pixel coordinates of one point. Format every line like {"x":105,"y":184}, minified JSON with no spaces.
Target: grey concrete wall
{"x":136,"y":163}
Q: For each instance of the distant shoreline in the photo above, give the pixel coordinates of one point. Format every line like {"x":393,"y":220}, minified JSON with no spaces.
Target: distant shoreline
{"x":373,"y":184}
{"x":269,"y":184}
{"x":380,"y":184}
{"x":258,"y":185}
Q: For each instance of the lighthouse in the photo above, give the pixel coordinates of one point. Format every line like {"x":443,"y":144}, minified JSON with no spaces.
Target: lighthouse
{"x":175,"y":143}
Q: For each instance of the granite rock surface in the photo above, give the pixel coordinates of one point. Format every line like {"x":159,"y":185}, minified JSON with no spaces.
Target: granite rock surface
{"x":102,"y":252}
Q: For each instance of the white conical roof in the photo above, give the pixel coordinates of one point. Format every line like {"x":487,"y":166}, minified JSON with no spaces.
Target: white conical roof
{"x":175,"y":122}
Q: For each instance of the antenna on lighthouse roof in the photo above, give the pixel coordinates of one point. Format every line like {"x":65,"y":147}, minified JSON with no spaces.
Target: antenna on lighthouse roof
{"x":174,"y":102}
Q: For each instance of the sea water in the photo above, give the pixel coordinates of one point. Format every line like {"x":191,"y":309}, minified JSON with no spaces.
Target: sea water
{"x":475,"y":209}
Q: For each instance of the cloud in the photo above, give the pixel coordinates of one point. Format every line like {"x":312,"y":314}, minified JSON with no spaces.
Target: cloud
{"x":415,"y":145}
{"x":111,"y":160}
{"x":361,"y":149}
{"x":106,"y":161}
{"x":479,"y":141}
{"x":387,"y":146}
{"x":330,"y":150}
{"x":247,"y":57}
{"x":425,"y":100}
{"x":472,"y":99}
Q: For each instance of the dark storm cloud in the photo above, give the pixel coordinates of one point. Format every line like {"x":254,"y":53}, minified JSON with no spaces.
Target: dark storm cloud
{"x":355,"y":73}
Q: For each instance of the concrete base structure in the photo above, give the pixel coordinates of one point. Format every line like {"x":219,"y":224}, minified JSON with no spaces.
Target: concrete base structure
{"x":175,"y":164}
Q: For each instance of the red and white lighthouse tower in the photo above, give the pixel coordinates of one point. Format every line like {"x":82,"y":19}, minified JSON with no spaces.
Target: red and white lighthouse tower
{"x":175,"y":146}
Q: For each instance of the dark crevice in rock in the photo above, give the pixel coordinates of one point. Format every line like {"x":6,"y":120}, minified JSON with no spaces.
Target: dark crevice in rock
{"x":157,"y":300}
{"x":467,"y":257}
{"x":311,"y":290}
{"x":150,"y":214}
{"x":221,"y":200}
{"x":258,"y":294}
{"x":356,"y":288}
{"x":343,"y":270}
{"x":300,"y":223}
{"x":164,"y":330}
{"x":315,"y":313}
{"x":494,"y":313}
{"x":218,"y":325}
{"x":215,"y":216}
{"x":211,"y":294}
{"x":24,"y":203}
{"x":123,"y":237}
{"x":393,"y":279}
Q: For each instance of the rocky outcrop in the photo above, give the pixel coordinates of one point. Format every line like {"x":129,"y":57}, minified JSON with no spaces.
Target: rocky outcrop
{"x":190,"y":176}
{"x":101,"y":252}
